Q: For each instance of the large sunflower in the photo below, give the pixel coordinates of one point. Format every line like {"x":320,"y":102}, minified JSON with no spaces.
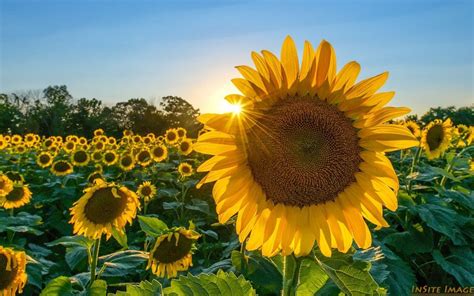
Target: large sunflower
{"x":13,"y":275}
{"x":303,"y":160}
{"x":18,"y":197}
{"x":436,"y":137}
{"x":172,"y":252}
{"x":6,"y":185}
{"x":103,"y":207}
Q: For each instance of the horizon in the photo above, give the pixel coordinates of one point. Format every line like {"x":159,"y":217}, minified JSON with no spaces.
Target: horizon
{"x":150,"y":50}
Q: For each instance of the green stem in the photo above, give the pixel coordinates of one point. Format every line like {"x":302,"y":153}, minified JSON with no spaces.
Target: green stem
{"x":413,"y":165}
{"x":93,"y":264}
{"x":451,"y":164}
{"x":291,"y":270}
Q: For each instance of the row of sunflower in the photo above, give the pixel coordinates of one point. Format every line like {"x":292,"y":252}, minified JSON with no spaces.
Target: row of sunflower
{"x":104,"y":163}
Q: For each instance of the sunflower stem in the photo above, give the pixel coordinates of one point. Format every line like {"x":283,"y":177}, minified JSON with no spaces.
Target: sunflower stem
{"x":451,"y":164}
{"x":291,"y":270}
{"x":94,"y":259}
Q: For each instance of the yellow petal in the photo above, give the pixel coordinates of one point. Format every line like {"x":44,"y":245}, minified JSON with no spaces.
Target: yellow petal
{"x":346,"y":78}
{"x":338,"y":226}
{"x":325,"y":63}
{"x":289,"y":60}
{"x":256,"y":236}
{"x":252,"y":76}
{"x":367,"y":87}
{"x":319,"y":225}
{"x":275,"y":68}
{"x":308,"y":62}
{"x":381,"y":116}
{"x":356,"y":223}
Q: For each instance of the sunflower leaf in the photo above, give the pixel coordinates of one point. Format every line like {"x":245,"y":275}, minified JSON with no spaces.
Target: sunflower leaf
{"x":459,"y":264}
{"x":98,"y":288}
{"x":152,"y":226}
{"x":311,"y":278}
{"x":60,"y":286}
{"x":221,"y":283}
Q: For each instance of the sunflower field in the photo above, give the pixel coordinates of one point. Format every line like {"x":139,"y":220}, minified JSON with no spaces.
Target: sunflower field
{"x":312,"y":186}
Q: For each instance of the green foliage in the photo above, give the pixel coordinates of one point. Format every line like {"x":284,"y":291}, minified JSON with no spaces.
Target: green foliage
{"x":218,"y":284}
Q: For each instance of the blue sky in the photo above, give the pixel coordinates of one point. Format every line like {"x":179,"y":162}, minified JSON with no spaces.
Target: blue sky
{"x":115,"y":50}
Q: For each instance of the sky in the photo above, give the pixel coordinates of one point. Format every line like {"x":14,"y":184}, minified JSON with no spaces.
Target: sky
{"x":116,"y":50}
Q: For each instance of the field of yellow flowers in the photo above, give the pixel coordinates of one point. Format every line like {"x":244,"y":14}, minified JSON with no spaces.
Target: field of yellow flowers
{"x":314,"y":194}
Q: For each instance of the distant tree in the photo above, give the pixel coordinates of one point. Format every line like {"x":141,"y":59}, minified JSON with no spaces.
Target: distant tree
{"x":85,"y":116}
{"x":179,"y":113}
{"x":11,"y":117}
{"x":463,"y":115}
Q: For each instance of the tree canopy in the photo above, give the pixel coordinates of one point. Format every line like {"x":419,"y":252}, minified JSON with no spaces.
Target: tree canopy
{"x":54,"y":111}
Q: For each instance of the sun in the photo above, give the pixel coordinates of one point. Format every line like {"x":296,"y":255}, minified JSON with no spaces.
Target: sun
{"x":230,"y":108}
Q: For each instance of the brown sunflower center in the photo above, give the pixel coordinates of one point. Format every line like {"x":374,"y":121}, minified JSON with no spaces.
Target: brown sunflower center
{"x":303,"y":152}
{"x":143,"y":156}
{"x":62,"y":166}
{"x":170,"y":251}
{"x":171,"y":136}
{"x":435,"y":136}
{"x":126,"y":161}
{"x":146,"y":190}
{"x":16,"y":194}
{"x":44,"y":158}
{"x":6,"y":276}
{"x":185,"y":169}
{"x":109,"y":157}
{"x":103,"y":207}
{"x":80,"y":156}
{"x":158,"y":151}
{"x":184,"y":146}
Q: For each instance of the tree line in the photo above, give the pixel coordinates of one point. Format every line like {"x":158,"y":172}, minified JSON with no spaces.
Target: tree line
{"x":53,"y":111}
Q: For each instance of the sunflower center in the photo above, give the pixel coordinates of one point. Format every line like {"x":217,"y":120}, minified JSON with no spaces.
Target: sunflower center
{"x":103,"y":207}
{"x":146,"y":190}
{"x":303,"y":152}
{"x":62,"y":166}
{"x":6,"y":276}
{"x":184,"y":146}
{"x":80,"y":156}
{"x":435,"y":136}
{"x":170,"y":251}
{"x":109,"y":157}
{"x":143,"y":156}
{"x":126,"y":161}
{"x":158,"y":152}
{"x":16,"y":194}
{"x":171,"y":136}
{"x":44,"y":158}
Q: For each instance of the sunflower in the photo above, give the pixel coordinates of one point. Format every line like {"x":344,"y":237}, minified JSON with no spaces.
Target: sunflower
{"x":3,"y":143}
{"x":102,"y":208}
{"x":95,"y":175}
{"x":181,"y":132}
{"x":171,"y":136}
{"x":18,"y":197}
{"x":143,"y":157}
{"x":98,"y":132}
{"x":173,"y":252}
{"x":126,"y":162}
{"x":97,"y":156}
{"x":185,"y":147}
{"x":146,"y":190}
{"x":185,"y":169}
{"x":15,"y":176}
{"x":16,"y":139}
{"x":62,"y":168}
{"x":413,"y":127}
{"x":303,"y":160}
{"x":99,"y":146}
{"x":6,"y":185}
{"x":20,"y":149}
{"x":159,"y":152}
{"x":110,"y":157}
{"x":127,"y":133}
{"x":436,"y":137}
{"x":80,"y":157}
{"x":44,"y":159}
{"x":13,"y":275}
{"x":69,"y":146}
{"x":82,"y":141}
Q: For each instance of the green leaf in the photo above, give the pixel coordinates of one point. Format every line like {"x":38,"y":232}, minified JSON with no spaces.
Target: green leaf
{"x":98,"y":288}
{"x":120,"y":237}
{"x":122,"y":263}
{"x":152,"y":226}
{"x":145,"y":288}
{"x":443,"y":220}
{"x":311,"y":278}
{"x":352,"y":277}
{"x":401,"y":278}
{"x":76,"y":257}
{"x":72,"y":241}
{"x":416,"y":240}
{"x":459,"y":264}
{"x":22,"y":222}
{"x":60,"y":286}
{"x":260,"y":271}
{"x":465,"y":200}
{"x":210,"y":284}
